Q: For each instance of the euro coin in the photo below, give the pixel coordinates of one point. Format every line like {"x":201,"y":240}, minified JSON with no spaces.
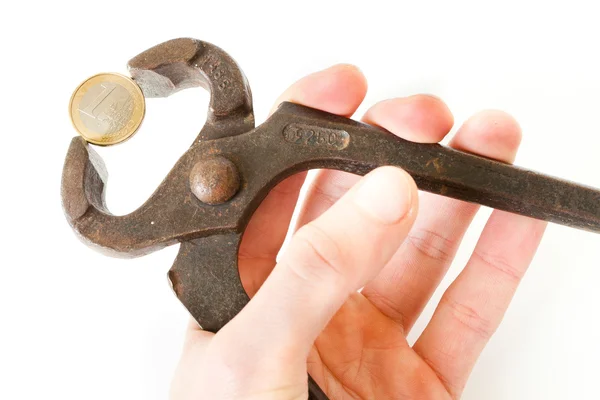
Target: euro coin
{"x":107,"y":109}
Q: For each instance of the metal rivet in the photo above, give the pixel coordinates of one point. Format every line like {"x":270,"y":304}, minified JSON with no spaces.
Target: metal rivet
{"x":214,"y":180}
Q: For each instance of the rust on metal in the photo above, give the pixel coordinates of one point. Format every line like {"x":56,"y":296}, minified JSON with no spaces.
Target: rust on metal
{"x":208,"y":197}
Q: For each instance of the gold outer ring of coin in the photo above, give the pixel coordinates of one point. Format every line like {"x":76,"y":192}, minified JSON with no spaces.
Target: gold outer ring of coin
{"x":112,"y":111}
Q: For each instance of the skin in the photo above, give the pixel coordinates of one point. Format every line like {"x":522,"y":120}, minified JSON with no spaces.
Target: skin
{"x":376,"y":233}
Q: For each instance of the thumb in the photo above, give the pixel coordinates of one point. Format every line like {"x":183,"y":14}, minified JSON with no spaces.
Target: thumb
{"x":327,"y":260}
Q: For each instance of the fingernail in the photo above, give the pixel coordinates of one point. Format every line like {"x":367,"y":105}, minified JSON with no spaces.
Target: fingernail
{"x":385,"y":194}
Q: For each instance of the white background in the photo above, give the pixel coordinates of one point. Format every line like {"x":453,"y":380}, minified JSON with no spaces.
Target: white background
{"x":78,"y":325}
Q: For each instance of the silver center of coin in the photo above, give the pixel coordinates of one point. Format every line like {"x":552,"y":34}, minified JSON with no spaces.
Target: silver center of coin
{"x":106,"y":108}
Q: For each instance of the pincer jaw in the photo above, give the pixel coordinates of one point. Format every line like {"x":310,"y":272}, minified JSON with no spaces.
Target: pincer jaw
{"x":82,"y":189}
{"x":165,"y":69}
{"x":83,"y":180}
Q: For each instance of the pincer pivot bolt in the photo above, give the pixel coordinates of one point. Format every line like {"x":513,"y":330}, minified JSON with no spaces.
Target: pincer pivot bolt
{"x":214,"y":180}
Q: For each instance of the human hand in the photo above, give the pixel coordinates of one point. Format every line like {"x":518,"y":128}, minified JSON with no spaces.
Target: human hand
{"x":364,"y":233}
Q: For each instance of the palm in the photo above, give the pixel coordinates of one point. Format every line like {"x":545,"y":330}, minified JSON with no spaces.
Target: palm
{"x":364,"y":354}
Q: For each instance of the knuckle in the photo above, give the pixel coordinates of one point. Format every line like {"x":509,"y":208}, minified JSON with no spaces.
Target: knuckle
{"x":500,"y":265}
{"x":469,"y":317}
{"x":450,"y":379}
{"x":324,"y":195}
{"x":432,"y":245}
{"x":331,"y":187}
{"x":315,"y":254}
{"x":386,"y":304}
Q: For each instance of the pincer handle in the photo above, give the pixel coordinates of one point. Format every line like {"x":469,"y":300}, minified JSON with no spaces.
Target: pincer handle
{"x":330,"y":141}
